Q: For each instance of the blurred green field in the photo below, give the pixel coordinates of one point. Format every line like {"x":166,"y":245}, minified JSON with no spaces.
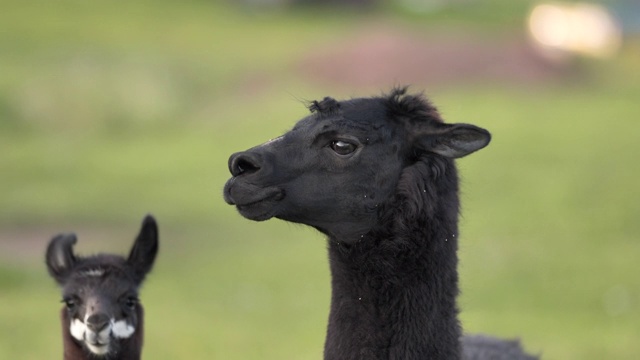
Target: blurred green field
{"x":111,"y":110}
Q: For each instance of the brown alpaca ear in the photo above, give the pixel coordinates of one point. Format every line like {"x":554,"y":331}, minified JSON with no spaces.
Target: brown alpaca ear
{"x":60,"y":258}
{"x":453,"y":140}
{"x":144,"y":250}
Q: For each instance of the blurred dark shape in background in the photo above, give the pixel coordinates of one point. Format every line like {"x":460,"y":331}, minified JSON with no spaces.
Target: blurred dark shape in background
{"x":627,"y":12}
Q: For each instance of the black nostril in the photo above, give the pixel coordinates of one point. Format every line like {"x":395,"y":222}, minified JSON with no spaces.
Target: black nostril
{"x":97,"y":322}
{"x":243,"y":163}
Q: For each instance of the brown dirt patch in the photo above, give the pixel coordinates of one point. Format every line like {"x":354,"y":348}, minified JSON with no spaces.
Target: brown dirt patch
{"x":380,"y":55}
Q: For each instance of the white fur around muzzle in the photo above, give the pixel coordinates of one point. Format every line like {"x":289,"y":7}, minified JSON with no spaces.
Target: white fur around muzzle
{"x":98,"y":342}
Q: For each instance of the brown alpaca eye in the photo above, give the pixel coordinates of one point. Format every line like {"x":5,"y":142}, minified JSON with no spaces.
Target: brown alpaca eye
{"x":70,"y":303}
{"x":131,"y":302}
{"x":342,"y":147}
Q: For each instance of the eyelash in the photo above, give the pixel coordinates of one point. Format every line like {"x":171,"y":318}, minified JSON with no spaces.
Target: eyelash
{"x":70,"y":303}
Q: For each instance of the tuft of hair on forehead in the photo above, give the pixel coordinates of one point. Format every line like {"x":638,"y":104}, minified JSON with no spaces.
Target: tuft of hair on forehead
{"x":413,"y":107}
{"x":93,"y":272}
{"x":101,"y":265}
{"x":326,"y":106}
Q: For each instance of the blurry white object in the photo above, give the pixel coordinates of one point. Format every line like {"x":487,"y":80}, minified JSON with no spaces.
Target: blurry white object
{"x":564,"y":28}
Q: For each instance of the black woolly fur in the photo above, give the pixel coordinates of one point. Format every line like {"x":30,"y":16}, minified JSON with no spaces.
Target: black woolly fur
{"x":377,"y":176}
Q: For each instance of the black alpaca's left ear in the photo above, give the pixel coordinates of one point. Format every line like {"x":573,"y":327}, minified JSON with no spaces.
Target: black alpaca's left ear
{"x":144,"y":250}
{"x":60,"y":258}
{"x":453,"y":140}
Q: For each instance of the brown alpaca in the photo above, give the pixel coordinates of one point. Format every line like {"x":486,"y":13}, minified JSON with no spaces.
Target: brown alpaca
{"x":103,"y":318}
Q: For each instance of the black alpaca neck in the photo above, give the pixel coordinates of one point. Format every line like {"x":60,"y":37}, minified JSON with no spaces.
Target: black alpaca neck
{"x":129,"y":349}
{"x":377,"y":176}
{"x":394,"y":292}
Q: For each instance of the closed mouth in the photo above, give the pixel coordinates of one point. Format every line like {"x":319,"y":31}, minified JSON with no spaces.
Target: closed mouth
{"x":96,"y":344}
{"x":94,"y":341}
{"x":98,"y":348}
{"x":246,"y":194}
{"x":275,"y":195}
{"x":262,"y":209}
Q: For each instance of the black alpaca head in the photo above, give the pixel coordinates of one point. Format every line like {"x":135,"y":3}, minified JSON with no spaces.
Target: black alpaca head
{"x":377,"y":175}
{"x":101,"y":292}
{"x":338,"y":167}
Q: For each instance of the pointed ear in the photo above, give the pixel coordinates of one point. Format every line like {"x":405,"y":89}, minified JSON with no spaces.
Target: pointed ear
{"x":60,"y":258}
{"x":454,"y":140}
{"x":144,"y":250}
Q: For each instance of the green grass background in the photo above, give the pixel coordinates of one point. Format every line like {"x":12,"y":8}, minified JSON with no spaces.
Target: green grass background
{"x":112,"y":109}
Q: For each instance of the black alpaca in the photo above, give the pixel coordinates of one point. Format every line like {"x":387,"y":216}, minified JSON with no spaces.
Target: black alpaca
{"x":103,"y":318}
{"x":377,"y":176}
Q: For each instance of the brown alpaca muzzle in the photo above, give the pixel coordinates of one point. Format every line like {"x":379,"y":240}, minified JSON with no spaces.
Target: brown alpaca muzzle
{"x":98,"y":332}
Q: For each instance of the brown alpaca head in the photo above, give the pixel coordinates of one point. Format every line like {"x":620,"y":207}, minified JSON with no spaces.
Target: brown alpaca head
{"x":100,"y":292}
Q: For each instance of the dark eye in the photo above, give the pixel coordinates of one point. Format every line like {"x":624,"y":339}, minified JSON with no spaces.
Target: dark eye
{"x":70,"y":303}
{"x":342,"y":147}
{"x":131,"y":302}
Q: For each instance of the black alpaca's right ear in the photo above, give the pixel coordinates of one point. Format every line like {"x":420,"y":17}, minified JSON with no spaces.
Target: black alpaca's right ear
{"x":144,"y":250}
{"x":60,"y":258}
{"x":453,"y":140}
